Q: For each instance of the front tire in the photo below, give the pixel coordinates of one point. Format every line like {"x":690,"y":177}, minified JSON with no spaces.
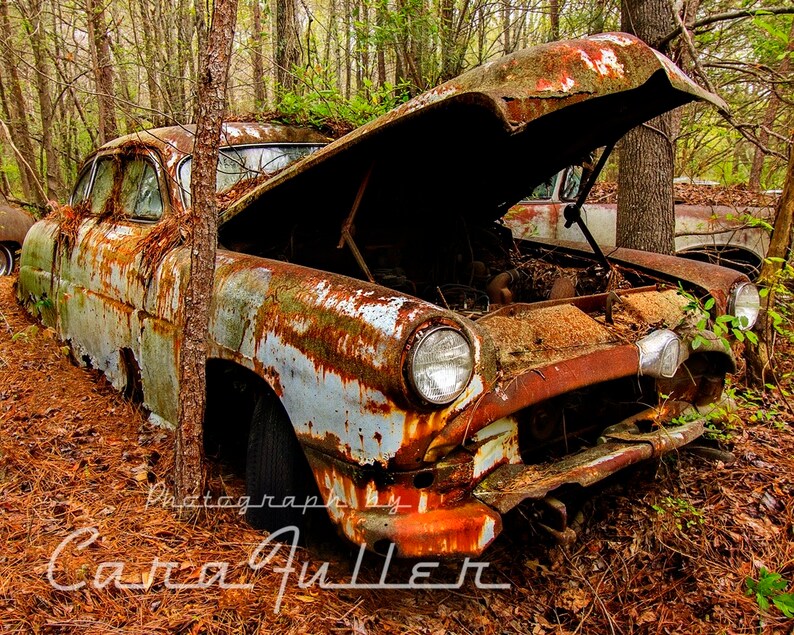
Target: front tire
{"x":277,"y":471}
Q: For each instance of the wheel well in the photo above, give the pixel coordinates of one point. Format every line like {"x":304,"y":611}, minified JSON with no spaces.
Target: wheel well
{"x":730,"y":256}
{"x":232,"y":393}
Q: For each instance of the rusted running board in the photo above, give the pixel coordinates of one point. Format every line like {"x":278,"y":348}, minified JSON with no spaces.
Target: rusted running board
{"x":507,"y":486}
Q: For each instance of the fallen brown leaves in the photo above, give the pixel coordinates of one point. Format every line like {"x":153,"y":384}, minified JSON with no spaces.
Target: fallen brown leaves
{"x":690,"y":194}
{"x":74,"y":454}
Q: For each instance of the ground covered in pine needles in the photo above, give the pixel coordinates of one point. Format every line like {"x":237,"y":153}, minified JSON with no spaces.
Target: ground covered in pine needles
{"x":668,"y":553}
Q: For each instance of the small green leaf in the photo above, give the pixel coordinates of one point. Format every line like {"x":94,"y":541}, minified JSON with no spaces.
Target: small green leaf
{"x":709,"y":303}
{"x":785,"y":603}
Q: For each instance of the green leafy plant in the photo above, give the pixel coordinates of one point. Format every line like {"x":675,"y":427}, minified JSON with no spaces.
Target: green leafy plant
{"x":323,"y":106}
{"x":721,"y":326}
{"x":683,"y":512}
{"x":771,"y":587}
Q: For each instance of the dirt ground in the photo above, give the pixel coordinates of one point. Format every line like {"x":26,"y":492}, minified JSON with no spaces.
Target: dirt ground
{"x":666,"y":553}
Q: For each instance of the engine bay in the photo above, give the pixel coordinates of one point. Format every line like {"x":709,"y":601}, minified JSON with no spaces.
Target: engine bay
{"x":457,"y":264}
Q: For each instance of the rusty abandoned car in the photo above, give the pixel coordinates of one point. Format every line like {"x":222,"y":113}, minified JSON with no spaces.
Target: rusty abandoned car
{"x":14,"y":225}
{"x":719,"y":234}
{"x":374,"y":324}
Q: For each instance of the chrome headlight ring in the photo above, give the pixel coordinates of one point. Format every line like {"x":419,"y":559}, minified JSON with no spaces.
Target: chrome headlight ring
{"x":744,"y":304}
{"x":440,"y":364}
{"x":661,"y":353}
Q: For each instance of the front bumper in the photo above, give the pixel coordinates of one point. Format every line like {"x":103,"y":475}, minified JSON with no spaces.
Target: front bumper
{"x":454,"y":507}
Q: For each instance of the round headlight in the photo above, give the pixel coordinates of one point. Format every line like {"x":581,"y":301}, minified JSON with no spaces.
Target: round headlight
{"x":745,"y":304}
{"x":440,"y":364}
{"x":661,"y":353}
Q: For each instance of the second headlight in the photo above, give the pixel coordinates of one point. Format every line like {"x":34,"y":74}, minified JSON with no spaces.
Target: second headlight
{"x":745,"y":304}
{"x":440,"y":364}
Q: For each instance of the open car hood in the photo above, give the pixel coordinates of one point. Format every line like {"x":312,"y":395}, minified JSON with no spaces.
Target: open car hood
{"x":476,"y":144}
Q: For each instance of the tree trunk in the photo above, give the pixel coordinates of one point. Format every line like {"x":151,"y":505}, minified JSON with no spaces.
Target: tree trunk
{"x":286,"y":44}
{"x":347,"y":25}
{"x":17,"y":111}
{"x":645,"y":215}
{"x":203,"y":221}
{"x":554,"y":20}
{"x":99,"y":43}
{"x":35,"y":30}
{"x":257,"y":57}
{"x":757,"y":168}
{"x":759,"y":358}
{"x":380,"y":44}
{"x":150,"y":64}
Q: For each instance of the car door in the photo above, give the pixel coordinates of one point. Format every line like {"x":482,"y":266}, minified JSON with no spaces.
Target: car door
{"x":101,"y":284}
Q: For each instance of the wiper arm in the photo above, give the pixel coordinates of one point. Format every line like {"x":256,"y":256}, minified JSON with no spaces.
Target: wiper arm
{"x":573,"y":211}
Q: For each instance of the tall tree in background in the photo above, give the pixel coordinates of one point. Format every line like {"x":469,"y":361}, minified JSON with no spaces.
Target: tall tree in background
{"x":645,"y":217}
{"x":99,"y":43}
{"x":14,"y":106}
{"x":203,"y":223}
{"x":286,"y":45}
{"x":772,"y":108}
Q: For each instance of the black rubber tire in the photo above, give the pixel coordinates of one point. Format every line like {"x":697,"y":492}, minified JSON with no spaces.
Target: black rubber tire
{"x":6,"y":259}
{"x":276,"y":467}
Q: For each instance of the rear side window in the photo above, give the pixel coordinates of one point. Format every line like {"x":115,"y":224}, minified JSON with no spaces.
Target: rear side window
{"x":80,"y":192}
{"x":102,"y":189}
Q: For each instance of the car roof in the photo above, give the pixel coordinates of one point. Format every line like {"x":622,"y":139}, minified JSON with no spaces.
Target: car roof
{"x":175,"y":142}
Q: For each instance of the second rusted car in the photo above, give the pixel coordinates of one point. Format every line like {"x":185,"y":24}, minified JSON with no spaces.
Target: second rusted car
{"x":376,"y":331}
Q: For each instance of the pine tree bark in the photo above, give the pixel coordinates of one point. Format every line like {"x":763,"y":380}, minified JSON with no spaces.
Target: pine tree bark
{"x":286,"y":45}
{"x":17,"y":113}
{"x":257,"y":56}
{"x":99,"y":43}
{"x":645,"y":215}
{"x":203,"y":221}
{"x":757,"y":167}
{"x":36,"y":34}
{"x":759,"y":358}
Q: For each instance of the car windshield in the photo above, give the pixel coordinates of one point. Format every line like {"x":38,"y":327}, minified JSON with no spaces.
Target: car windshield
{"x":239,"y":163}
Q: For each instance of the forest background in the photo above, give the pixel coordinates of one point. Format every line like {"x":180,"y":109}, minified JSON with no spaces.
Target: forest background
{"x":75,"y":73}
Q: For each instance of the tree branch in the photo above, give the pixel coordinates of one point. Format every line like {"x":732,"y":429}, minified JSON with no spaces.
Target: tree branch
{"x":723,"y":17}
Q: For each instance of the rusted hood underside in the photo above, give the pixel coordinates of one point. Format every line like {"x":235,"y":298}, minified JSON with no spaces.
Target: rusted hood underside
{"x":476,"y":144}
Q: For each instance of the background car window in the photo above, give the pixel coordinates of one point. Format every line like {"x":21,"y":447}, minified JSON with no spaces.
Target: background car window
{"x":543,"y":191}
{"x":103,"y":184}
{"x":572,"y":183}
{"x":80,"y":192}
{"x":140,"y":191}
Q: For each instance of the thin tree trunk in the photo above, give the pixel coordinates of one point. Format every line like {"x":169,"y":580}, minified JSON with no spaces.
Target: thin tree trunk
{"x":286,"y":44}
{"x":146,"y":51}
{"x":17,"y":111}
{"x":35,"y":29}
{"x":364,"y":46}
{"x":757,"y":167}
{"x":257,"y":56}
{"x":554,"y":20}
{"x":645,"y":215}
{"x":348,"y":24}
{"x":103,"y":70}
{"x":380,"y":48}
{"x":189,"y":473}
{"x":760,"y":357}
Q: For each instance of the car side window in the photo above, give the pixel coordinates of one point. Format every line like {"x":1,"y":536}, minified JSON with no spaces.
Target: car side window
{"x":572,"y":183}
{"x":80,"y":192}
{"x":140,"y":190}
{"x":543,"y":191}
{"x":103,"y":184}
